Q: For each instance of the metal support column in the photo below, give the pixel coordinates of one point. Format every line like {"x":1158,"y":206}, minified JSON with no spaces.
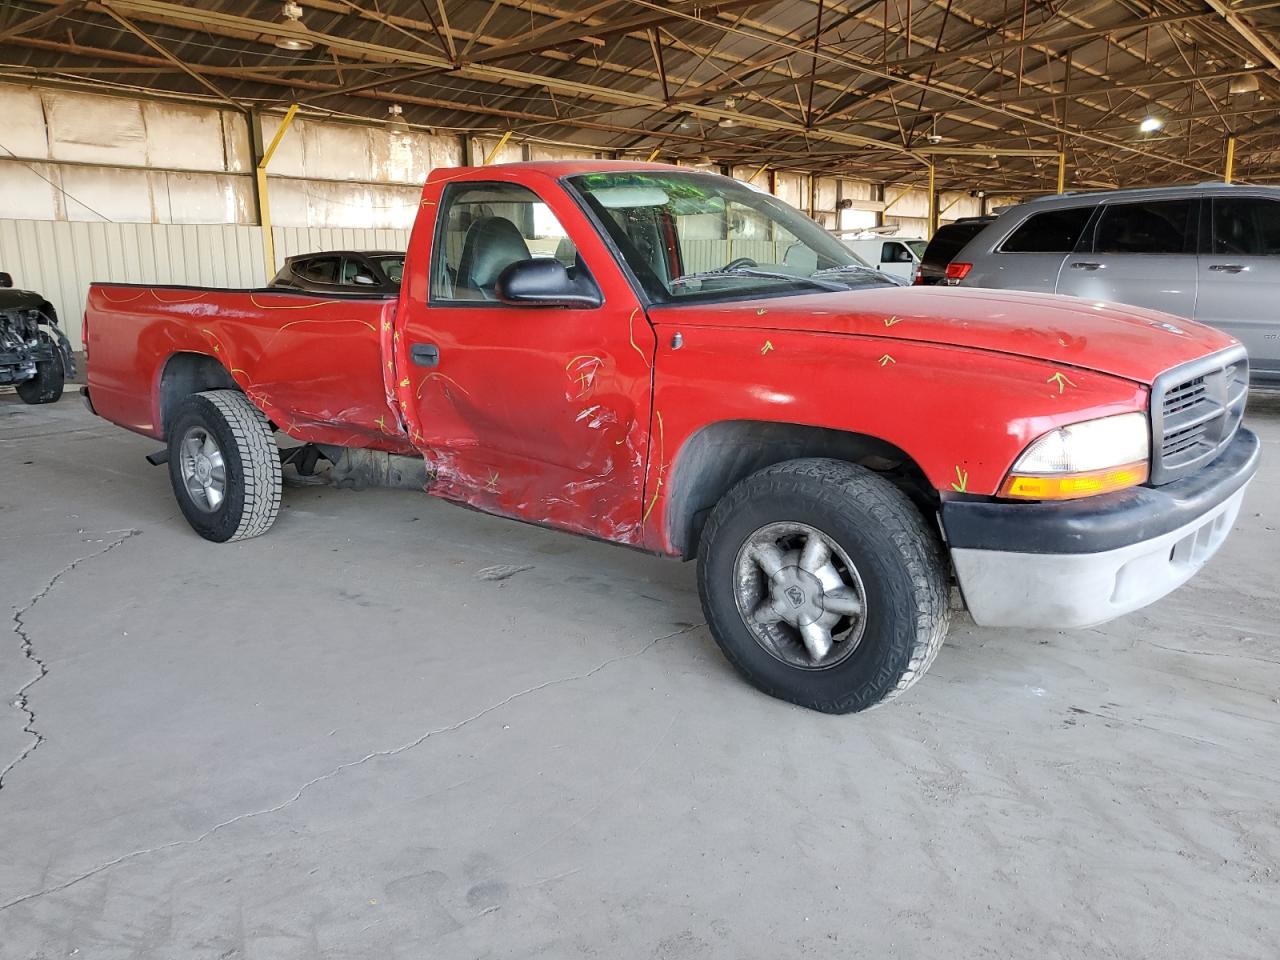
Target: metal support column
{"x":1231,"y":160}
{"x":933,"y":199}
{"x":264,"y":203}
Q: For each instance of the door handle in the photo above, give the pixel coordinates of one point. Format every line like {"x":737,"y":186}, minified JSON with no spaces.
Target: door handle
{"x":1228,"y":267}
{"x":1086,"y":265}
{"x":424,"y":354}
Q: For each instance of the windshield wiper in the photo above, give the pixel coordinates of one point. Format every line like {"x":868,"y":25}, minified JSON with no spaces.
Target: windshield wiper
{"x":762,"y":274}
{"x":836,"y":271}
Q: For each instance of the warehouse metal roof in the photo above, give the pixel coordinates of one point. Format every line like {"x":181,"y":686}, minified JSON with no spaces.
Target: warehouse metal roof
{"x":988,"y":90}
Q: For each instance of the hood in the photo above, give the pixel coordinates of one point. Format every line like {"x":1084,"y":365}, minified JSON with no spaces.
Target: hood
{"x":11,"y":299}
{"x":1112,"y":338}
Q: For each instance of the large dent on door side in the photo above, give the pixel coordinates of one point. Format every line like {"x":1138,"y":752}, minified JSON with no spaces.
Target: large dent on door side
{"x":598,"y":409}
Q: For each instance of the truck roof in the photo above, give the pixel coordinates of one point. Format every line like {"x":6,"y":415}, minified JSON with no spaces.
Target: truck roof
{"x":557,"y":168}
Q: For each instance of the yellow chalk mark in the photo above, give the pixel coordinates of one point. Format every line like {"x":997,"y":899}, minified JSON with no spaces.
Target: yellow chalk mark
{"x":886,"y":359}
{"x":404,"y":382}
{"x":160,"y":299}
{"x":768,"y":345}
{"x":492,"y":484}
{"x":1062,"y":380}
{"x":446,"y":379}
{"x":890,"y":321}
{"x":631,"y":334}
{"x":962,"y":476}
{"x":138,"y":296}
{"x":657,"y":487}
{"x":761,"y":312}
{"x":217,"y":344}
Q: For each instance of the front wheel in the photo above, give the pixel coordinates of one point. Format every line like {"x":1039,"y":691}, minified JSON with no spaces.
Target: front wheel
{"x":823,"y":585}
{"x":224,"y":465}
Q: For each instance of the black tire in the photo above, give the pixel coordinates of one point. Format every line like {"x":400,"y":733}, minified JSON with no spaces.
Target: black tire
{"x":251,"y":465}
{"x":46,"y":386}
{"x":899,"y":559}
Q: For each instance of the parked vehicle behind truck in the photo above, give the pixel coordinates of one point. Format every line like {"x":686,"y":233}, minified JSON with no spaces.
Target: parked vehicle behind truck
{"x":897,"y":256}
{"x":35,"y":355}
{"x":669,"y":360}
{"x":1209,"y":253}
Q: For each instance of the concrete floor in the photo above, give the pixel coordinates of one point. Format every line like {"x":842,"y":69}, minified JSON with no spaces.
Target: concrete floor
{"x":344,"y":740}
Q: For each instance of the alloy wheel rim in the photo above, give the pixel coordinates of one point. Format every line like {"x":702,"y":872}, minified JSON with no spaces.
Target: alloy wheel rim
{"x":204,"y":472}
{"x":800,"y":595}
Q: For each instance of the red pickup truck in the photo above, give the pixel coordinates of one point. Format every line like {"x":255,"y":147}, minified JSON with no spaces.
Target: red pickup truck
{"x":675,"y":361}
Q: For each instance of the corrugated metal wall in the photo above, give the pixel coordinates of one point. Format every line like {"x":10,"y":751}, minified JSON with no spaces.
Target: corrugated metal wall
{"x":60,"y":259}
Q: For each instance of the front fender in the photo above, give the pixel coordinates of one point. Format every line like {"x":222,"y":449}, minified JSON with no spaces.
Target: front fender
{"x":961,"y":415}
{"x":64,"y":347}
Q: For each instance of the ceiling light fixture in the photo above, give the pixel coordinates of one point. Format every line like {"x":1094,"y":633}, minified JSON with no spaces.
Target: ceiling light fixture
{"x":1150,"y":124}
{"x":1242,"y":84}
{"x":295,"y":35}
{"x":934,"y":137}
{"x":395,"y":119}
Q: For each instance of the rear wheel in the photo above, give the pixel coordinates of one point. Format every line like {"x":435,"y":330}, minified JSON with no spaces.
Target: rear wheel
{"x":823,"y":585}
{"x":46,"y":386}
{"x":224,"y":465}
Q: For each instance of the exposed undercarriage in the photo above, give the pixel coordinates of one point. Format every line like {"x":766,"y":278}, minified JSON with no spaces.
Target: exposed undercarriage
{"x":35,"y":355}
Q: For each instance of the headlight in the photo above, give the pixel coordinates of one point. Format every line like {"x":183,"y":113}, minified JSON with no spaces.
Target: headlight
{"x":1083,"y":459}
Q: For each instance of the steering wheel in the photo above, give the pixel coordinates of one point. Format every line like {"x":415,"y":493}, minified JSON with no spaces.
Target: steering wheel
{"x":740,"y":263}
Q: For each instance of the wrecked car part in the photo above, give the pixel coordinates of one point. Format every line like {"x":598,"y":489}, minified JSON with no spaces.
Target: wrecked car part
{"x":35,"y":355}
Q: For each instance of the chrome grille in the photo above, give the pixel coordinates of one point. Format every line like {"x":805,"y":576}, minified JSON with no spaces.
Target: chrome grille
{"x":1195,"y":410}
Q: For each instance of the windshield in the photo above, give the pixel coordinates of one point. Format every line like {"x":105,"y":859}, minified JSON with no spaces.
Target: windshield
{"x":917,"y":247}
{"x":393,"y":267}
{"x":699,"y":236}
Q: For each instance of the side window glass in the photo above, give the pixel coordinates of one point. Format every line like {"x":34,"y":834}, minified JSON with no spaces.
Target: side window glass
{"x":483,"y":229}
{"x":393,"y":267}
{"x":357,"y":273}
{"x":321,"y":270}
{"x":1054,"y":231}
{"x":1246,"y":226}
{"x":888,"y":253}
{"x":1159,"y":226}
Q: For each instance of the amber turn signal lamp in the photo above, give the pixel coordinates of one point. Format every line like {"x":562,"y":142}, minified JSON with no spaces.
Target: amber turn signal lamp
{"x":1072,"y":486}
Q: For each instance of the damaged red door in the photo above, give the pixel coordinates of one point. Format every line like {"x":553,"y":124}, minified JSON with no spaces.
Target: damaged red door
{"x":540,"y":413}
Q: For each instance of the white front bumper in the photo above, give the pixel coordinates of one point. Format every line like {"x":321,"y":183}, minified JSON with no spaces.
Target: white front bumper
{"x":1056,"y":590}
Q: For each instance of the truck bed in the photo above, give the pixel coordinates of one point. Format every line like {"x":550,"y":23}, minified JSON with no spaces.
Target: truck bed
{"x":313,"y":364}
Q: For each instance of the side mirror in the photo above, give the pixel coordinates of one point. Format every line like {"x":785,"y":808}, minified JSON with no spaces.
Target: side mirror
{"x":6,"y":280}
{"x":544,"y":282}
